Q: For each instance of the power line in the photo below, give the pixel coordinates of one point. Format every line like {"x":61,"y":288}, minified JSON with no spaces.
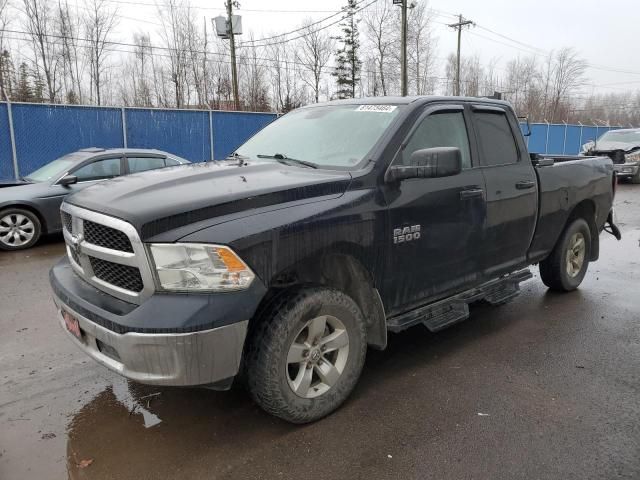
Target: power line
{"x":257,"y":43}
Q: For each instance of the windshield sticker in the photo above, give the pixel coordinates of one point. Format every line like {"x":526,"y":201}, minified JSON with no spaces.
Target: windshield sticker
{"x":376,"y":108}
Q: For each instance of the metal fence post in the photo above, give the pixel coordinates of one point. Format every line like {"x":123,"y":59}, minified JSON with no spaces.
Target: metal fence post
{"x":580,"y":141}
{"x":12,"y":138}
{"x":546,"y":142}
{"x":564,"y":142}
{"x":212,"y":157}
{"x":124,"y":127}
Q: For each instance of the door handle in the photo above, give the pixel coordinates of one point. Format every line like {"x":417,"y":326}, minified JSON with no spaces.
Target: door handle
{"x":525,"y":184}
{"x":471,"y":193}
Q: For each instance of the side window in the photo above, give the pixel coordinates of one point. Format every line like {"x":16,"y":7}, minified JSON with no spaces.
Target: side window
{"x":446,"y":129}
{"x":495,"y":138}
{"x":141,"y":164}
{"x":98,"y":170}
{"x":172,"y":162}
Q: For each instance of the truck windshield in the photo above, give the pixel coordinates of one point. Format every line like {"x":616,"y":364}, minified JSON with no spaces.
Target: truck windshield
{"x":632,"y":137}
{"x":327,"y":136}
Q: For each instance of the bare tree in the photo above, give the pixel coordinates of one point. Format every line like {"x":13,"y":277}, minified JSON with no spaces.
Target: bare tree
{"x":39,"y":22}
{"x":314,"y":53}
{"x":68,"y":28}
{"x":98,"y":25}
{"x":174,"y":35}
{"x":421,"y":49}
{"x":567,"y":76}
{"x":380,"y":33}
{"x":6,"y":65}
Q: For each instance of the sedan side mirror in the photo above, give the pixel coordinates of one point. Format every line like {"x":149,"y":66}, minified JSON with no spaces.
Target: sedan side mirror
{"x":428,"y":163}
{"x":68,"y":180}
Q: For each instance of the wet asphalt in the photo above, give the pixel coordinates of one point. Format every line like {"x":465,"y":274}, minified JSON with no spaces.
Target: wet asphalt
{"x":547,"y":386}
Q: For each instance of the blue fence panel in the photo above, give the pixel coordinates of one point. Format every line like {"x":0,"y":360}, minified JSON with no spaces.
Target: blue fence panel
{"x":538,"y":138}
{"x":181,"y":132}
{"x":46,"y":132}
{"x":589,"y":133}
{"x":231,"y":129}
{"x":555,"y":145}
{"x":6,"y":159}
{"x":573,"y":144}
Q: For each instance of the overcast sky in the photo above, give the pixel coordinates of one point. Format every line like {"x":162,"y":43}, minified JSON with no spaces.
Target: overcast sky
{"x":605,"y":33}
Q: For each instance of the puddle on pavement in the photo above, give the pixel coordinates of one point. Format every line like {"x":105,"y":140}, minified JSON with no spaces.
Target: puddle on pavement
{"x":137,"y":431}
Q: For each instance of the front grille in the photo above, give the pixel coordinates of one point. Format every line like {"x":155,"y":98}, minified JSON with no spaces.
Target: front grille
{"x":74,"y":256}
{"x":67,"y":221}
{"x":122,"y":276}
{"x":106,"y":237}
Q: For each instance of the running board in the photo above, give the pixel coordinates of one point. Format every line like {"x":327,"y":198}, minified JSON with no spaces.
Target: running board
{"x":444,"y":313}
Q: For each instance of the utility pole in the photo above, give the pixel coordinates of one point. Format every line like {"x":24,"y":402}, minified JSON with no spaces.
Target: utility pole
{"x":234,"y":72}
{"x":461,"y":23}
{"x":403,"y":51}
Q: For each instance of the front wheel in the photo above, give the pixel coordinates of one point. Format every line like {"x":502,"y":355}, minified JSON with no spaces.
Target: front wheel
{"x":306,"y":354}
{"x":565,"y":268}
{"x":19,"y":229}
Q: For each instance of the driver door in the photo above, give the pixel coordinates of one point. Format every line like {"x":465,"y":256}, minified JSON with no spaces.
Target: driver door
{"x":444,"y":217}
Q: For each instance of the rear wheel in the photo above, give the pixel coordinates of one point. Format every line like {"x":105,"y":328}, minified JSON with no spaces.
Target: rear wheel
{"x":565,"y":268}
{"x":19,"y":229}
{"x":306,"y":355}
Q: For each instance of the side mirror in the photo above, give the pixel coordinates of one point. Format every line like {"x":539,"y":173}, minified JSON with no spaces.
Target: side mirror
{"x":68,"y":180}
{"x":587,"y":147}
{"x":428,"y":163}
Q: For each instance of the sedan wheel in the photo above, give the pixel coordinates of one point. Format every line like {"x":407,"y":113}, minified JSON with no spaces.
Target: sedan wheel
{"x":18,"y":229}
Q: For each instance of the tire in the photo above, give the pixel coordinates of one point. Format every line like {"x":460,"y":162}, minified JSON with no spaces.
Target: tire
{"x":281,"y":355}
{"x":19,"y":229}
{"x":564,"y":269}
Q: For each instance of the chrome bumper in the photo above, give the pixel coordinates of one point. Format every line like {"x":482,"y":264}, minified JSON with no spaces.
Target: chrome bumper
{"x":626,"y":169}
{"x":178,"y":359}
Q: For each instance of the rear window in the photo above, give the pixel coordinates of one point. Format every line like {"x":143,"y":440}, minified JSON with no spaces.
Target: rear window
{"x":497,"y":144}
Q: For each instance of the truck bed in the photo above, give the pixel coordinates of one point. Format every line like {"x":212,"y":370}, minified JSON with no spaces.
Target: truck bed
{"x":569,"y":182}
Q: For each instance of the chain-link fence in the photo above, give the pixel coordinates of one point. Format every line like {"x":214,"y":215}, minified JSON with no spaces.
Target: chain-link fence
{"x":562,"y":138}
{"x":32,"y":135}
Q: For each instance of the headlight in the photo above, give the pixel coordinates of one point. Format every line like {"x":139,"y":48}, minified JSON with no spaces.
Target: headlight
{"x":632,"y":157}
{"x":199,"y":267}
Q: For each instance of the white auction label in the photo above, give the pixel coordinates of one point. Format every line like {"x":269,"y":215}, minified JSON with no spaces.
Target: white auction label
{"x":376,"y":108}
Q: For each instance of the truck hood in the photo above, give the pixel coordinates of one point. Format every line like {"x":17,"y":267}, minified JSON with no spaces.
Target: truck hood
{"x":162,"y":200}
{"x":605,"y":146}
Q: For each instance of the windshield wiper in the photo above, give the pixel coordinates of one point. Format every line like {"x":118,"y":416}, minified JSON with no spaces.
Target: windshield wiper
{"x":282,"y":158}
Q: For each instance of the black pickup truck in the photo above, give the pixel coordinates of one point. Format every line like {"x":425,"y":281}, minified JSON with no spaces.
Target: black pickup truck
{"x":333,"y":225}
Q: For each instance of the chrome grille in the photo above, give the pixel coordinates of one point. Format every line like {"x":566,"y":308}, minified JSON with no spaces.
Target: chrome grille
{"x":107,"y":253}
{"x":67,"y":221}
{"x":106,"y":237}
{"x":122,"y":276}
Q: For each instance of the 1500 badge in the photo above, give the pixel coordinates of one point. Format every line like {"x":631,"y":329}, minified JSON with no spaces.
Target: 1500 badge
{"x":406,"y":234}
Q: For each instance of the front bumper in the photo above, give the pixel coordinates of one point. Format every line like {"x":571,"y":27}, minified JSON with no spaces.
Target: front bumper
{"x":177,"y":359}
{"x":626,"y":169}
{"x":173,"y":340}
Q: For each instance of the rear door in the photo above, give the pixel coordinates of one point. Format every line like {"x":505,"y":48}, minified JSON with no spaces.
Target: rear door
{"x":142,"y":163}
{"x":511,"y":189}
{"x":435,"y":224}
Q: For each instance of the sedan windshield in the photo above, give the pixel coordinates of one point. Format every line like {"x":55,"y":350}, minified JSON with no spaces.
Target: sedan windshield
{"x":632,"y":137}
{"x":327,"y":136}
{"x":53,"y":169}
